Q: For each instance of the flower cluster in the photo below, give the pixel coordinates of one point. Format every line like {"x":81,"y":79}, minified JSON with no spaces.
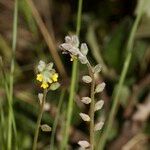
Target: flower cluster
{"x":72,"y":47}
{"x":47,"y":75}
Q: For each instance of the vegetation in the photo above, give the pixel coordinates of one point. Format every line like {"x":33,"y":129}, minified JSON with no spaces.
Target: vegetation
{"x":89,"y":91}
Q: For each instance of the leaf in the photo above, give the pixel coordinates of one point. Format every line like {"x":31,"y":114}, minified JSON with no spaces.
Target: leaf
{"x":84,"y":49}
{"x":98,"y":126}
{"x":85,"y":117}
{"x":100,"y":87}
{"x":54,"y":86}
{"x":46,"y":128}
{"x":99,"y":105}
{"x":84,"y":144}
{"x":87,"y":79}
{"x":86,"y":100}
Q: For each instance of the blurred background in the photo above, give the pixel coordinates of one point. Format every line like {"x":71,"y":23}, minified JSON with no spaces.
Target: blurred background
{"x":105,"y":27}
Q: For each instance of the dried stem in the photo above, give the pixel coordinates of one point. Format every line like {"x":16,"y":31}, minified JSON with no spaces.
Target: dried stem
{"x":39,"y":120}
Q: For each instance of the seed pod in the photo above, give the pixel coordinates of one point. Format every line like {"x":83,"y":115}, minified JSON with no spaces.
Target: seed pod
{"x":100,"y":87}
{"x":98,"y":105}
{"x":85,"y":117}
{"x":46,"y":128}
{"x":87,"y":79}
{"x":86,"y":100}
{"x":97,"y":68}
{"x":98,"y":126}
{"x":40,"y":96}
{"x":84,"y":144}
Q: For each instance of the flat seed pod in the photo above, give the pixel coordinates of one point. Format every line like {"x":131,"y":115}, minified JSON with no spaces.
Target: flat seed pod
{"x":40,"y":96}
{"x":100,"y":87}
{"x":98,"y":126}
{"x":46,"y":128}
{"x":98,"y":105}
{"x":86,"y":100}
{"x":85,"y":117}
{"x":97,"y":68}
{"x":84,"y":144}
{"x":87,"y":79}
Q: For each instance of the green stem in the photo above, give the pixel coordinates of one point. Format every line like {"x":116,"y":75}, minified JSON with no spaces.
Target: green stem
{"x":39,"y":120}
{"x":116,"y":94}
{"x":56,"y":119}
{"x":73,"y":82}
{"x":11,"y":120}
{"x":92,"y":107}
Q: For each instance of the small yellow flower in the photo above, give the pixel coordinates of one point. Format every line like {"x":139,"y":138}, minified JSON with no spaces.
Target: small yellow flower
{"x":55,"y":77}
{"x":73,"y":57}
{"x":44,"y":85}
{"x":39,"y":77}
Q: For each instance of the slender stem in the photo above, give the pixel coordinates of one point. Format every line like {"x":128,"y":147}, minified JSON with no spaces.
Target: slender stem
{"x":92,"y":107}
{"x":39,"y":121}
{"x":73,"y":82}
{"x":113,"y":111}
{"x":11,"y":79}
{"x":56,"y":119}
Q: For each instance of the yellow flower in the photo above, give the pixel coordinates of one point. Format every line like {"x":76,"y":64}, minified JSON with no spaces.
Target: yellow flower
{"x":73,"y":57}
{"x":55,"y":77}
{"x":44,"y":85}
{"x":39,"y":77}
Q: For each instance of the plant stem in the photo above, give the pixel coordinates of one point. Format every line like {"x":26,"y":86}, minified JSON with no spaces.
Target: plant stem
{"x":39,"y":120}
{"x":56,"y":119}
{"x":113,"y":111}
{"x":11,"y":120}
{"x":73,"y":82}
{"x":92,"y":107}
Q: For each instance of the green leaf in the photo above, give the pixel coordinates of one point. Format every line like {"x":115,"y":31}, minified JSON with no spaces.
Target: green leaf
{"x":54,"y":86}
